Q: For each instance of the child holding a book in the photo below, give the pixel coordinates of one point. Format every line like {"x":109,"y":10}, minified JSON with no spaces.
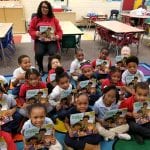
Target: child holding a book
{"x":75,"y":64}
{"x":104,"y":104}
{"x":132,"y":71}
{"x":103,"y":55}
{"x":19,"y":73}
{"x":32,"y":81}
{"x":61,"y":90}
{"x":37,"y":119}
{"x":141,"y":94}
{"x":12,"y":118}
{"x":84,"y":142}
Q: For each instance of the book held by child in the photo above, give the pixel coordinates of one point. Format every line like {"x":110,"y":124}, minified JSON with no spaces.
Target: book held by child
{"x":38,"y":138}
{"x":114,"y":118}
{"x":83,"y":124}
{"x":143,"y":112}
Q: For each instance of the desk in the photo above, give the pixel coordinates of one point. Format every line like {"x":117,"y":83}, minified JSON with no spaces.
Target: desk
{"x":127,"y":16}
{"x":119,"y":30}
{"x":69,"y":29}
{"x":4,"y":28}
{"x":118,"y":27}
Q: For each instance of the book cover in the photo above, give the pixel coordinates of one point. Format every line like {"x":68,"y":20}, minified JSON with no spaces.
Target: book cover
{"x":47,"y":32}
{"x":114,"y":118}
{"x":36,"y":138}
{"x":37,"y":93}
{"x":143,"y":112}
{"x":3,"y":110}
{"x":83,"y":124}
{"x":102,"y":62}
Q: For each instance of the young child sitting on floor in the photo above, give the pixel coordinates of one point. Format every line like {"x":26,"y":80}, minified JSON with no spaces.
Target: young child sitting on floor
{"x":75,"y":64}
{"x":141,"y":94}
{"x":81,"y":106}
{"x":37,"y":118}
{"x":32,"y":81}
{"x":132,"y":71}
{"x":19,"y":74}
{"x":106,"y":103}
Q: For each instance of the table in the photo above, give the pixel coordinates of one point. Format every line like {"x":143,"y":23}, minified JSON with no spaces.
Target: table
{"x":118,"y":27}
{"x":119,"y":30}
{"x":127,"y":16}
{"x":70,"y":29}
{"x":90,"y":20}
{"x":4,"y":28}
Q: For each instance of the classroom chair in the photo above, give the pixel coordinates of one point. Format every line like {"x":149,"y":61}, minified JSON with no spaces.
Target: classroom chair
{"x":114,"y":14}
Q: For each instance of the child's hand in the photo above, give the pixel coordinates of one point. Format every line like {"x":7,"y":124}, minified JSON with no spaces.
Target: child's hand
{"x":53,"y":140}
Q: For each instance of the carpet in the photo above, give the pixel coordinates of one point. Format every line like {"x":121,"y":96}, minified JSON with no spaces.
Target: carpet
{"x":131,"y":145}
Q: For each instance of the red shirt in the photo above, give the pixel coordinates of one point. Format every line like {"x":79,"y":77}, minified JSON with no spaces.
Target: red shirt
{"x":25,"y":87}
{"x":106,"y":82}
{"x":128,"y":103}
{"x":94,"y":62}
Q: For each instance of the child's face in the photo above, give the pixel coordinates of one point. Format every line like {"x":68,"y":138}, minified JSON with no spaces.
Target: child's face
{"x":64,"y":83}
{"x":82,"y":103}
{"x":115,"y":77}
{"x":141,"y":94}
{"x":55,"y":63}
{"x":37,"y":116}
{"x":103,"y":54}
{"x":80,"y":55}
{"x":132,"y":67}
{"x":110,"y":98}
{"x":25,"y":63}
{"x":87,"y":72}
{"x":33,"y":80}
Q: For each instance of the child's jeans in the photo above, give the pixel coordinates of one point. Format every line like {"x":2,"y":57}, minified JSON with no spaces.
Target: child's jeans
{"x":111,"y":133}
{"x":8,"y":139}
{"x":143,"y":130}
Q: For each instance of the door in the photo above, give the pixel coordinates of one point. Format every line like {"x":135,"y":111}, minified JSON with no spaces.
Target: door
{"x":127,"y":5}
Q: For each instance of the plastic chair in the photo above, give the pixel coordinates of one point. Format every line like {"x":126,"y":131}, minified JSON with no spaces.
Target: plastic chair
{"x":70,"y":41}
{"x":114,"y":14}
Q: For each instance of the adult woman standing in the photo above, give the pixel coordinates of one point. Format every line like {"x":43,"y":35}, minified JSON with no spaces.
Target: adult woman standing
{"x":46,"y":31}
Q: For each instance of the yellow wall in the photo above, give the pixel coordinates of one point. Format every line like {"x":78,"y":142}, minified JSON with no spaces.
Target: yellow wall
{"x":137,"y":3}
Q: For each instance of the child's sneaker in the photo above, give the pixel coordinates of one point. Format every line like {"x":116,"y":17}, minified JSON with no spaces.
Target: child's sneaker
{"x":124,"y":136}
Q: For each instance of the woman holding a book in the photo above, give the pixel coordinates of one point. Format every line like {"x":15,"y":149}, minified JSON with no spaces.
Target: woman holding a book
{"x":46,"y":32}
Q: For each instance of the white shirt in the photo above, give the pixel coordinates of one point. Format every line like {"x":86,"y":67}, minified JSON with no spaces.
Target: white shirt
{"x":16,"y":73}
{"x":28,"y":124}
{"x":55,"y":96}
{"x":127,"y":77}
{"x":3,"y":80}
{"x":75,"y":65}
{"x":100,"y":108}
{"x":140,"y":11}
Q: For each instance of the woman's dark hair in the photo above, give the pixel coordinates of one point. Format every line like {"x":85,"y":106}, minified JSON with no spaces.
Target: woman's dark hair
{"x":132,"y":59}
{"x":31,"y":71}
{"x":60,"y":73}
{"x":36,"y":105}
{"x":50,"y":60}
{"x":112,"y":87}
{"x":50,"y":9}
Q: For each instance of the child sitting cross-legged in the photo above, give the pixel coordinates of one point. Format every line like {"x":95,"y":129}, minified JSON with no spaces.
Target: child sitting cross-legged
{"x":108,"y":102}
{"x":139,"y":131}
{"x":83,"y":142}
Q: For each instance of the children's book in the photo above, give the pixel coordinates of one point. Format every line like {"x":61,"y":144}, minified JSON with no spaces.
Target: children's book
{"x":3,"y":110}
{"x":83,"y":124}
{"x":86,"y":83}
{"x":37,"y":93}
{"x":47,"y":32}
{"x":143,"y":111}
{"x":119,"y":58}
{"x":114,"y":118}
{"x":66,"y":93}
{"x":52,"y":77}
{"x":38,"y":138}
{"x":102,"y":62}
